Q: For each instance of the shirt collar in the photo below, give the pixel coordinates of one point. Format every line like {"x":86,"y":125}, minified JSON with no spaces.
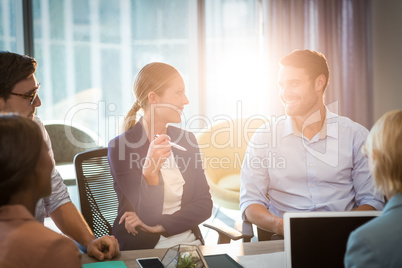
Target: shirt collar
{"x":288,"y":128}
{"x":394,"y":202}
{"x":328,"y":129}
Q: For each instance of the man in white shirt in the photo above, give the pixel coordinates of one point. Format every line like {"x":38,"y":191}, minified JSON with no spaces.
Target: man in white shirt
{"x":19,"y":94}
{"x":308,"y":160}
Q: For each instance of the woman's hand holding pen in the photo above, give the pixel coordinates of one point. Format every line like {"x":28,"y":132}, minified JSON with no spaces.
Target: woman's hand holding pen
{"x":132,"y":222}
{"x":158,"y":152}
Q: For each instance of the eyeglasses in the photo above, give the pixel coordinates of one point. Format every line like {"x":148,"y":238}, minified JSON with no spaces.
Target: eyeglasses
{"x":32,"y":96}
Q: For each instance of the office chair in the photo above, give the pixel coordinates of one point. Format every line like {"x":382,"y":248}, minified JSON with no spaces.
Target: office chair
{"x":227,"y":142}
{"x":98,"y":199}
{"x":67,"y":141}
{"x":95,"y":185}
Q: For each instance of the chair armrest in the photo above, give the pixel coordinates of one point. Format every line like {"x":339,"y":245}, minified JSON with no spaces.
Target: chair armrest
{"x":227,"y":233}
{"x":247,"y":230}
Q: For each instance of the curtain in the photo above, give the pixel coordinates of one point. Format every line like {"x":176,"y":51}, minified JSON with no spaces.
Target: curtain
{"x":340,"y":29}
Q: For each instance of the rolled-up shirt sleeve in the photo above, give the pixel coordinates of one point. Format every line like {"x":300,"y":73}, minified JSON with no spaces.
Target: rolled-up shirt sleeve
{"x":322,"y":174}
{"x":363,"y":182}
{"x":254,"y":175}
{"x":59,"y":195}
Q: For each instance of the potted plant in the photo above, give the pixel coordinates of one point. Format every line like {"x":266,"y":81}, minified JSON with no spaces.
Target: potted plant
{"x":184,"y":256}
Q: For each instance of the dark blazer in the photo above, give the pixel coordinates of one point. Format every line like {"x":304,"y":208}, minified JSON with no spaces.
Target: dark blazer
{"x":126,"y":156}
{"x":378,"y":243}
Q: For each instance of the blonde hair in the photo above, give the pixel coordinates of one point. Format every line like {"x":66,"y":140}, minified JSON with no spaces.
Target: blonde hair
{"x":151,"y":78}
{"x":385,"y":146}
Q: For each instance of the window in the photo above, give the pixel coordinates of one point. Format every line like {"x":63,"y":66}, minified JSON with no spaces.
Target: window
{"x":234,"y":67}
{"x":11,"y":31}
{"x":89,"y":52}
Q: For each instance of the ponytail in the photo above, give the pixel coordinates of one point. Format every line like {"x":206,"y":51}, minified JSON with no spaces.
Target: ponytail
{"x":131,"y":117}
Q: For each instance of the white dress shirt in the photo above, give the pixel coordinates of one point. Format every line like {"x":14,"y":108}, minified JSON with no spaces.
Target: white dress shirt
{"x":59,"y":195}
{"x":284,"y":171}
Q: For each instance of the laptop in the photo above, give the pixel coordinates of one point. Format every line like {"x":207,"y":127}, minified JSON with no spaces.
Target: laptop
{"x":318,"y":239}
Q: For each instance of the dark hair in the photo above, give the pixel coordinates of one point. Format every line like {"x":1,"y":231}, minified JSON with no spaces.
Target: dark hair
{"x":21,"y":142}
{"x":13,"y":69}
{"x":313,"y":62}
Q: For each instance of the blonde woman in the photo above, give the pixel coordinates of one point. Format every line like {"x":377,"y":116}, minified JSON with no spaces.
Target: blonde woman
{"x":162,"y":190}
{"x":379,"y":242}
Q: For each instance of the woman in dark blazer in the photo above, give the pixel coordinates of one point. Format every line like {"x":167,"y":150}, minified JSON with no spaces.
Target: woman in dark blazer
{"x":162,"y":190}
{"x":378,"y":243}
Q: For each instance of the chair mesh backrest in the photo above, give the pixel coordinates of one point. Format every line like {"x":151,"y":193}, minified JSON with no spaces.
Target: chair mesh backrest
{"x":97,"y":196}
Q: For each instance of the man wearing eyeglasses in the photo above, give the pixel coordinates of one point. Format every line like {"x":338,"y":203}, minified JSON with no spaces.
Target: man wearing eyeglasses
{"x":31,"y":95}
{"x":19,"y":94}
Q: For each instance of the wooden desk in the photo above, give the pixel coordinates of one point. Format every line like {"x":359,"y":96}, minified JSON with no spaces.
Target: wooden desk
{"x":234,"y":249}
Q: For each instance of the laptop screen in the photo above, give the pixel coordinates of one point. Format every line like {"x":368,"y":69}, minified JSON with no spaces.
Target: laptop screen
{"x":318,"y":239}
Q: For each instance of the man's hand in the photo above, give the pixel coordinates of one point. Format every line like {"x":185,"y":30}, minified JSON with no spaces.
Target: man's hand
{"x":260,"y":216}
{"x":364,"y":207}
{"x":279,"y":230}
{"x":104,"y":248}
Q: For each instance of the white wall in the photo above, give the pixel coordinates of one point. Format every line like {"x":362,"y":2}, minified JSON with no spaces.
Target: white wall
{"x":387,"y":55}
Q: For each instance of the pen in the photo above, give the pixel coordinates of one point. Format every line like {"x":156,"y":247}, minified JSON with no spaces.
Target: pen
{"x":175,"y":145}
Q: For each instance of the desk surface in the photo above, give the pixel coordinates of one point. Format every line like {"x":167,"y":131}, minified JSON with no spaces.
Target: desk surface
{"x":234,"y":249}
